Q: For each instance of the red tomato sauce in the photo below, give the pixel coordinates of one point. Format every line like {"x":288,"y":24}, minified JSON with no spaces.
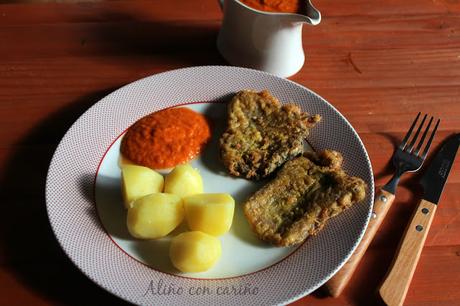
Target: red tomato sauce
{"x":283,"y":6}
{"x":166,"y":138}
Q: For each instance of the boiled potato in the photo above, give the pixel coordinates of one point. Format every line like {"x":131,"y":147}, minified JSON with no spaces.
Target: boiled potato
{"x":155,"y":215}
{"x":211,"y":213}
{"x":138,"y":181}
{"x":183,"y":180}
{"x":194,"y":251}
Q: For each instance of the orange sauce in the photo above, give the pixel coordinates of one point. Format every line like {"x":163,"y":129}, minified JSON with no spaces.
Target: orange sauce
{"x":283,"y":6}
{"x":166,"y":138}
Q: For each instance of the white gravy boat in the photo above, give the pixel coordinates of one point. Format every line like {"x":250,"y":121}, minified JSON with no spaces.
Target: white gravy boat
{"x":266,"y":41}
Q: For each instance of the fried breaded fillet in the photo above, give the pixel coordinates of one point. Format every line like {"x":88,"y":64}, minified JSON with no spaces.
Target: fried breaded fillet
{"x":306,"y":192}
{"x":262,"y":134}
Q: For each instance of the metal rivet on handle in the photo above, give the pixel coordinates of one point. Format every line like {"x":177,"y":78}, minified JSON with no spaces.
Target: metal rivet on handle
{"x":374,"y":215}
{"x":383,"y":198}
{"x":425,"y":210}
{"x":419,"y":228}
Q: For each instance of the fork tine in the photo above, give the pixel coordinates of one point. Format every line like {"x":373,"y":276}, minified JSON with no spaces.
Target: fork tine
{"x":412,"y":143}
{"x":423,"y":137}
{"x":406,"y":138}
{"x":427,"y":147}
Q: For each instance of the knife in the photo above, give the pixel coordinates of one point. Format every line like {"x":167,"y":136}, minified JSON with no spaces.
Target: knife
{"x":396,"y":283}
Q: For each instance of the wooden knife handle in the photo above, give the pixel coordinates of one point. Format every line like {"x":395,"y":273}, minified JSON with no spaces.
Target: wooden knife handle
{"x":394,"y":287}
{"x":338,"y":282}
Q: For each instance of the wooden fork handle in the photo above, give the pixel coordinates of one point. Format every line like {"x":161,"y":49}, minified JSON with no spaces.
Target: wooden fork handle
{"x":394,"y":287}
{"x":338,"y":282}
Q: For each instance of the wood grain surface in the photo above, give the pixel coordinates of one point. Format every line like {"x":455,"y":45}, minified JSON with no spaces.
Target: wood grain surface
{"x":378,"y":62}
{"x":396,"y":282}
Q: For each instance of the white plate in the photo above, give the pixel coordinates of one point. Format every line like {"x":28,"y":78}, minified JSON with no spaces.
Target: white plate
{"x":250,"y":272}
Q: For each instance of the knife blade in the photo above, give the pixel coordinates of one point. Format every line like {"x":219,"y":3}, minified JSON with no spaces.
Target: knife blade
{"x":435,"y":177}
{"x":396,"y":283}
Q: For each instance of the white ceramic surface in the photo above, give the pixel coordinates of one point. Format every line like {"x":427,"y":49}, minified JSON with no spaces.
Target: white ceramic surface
{"x":83,"y":169}
{"x":266,"y":41}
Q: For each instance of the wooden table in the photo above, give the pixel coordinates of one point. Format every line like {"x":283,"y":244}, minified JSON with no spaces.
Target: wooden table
{"x":379,"y":62}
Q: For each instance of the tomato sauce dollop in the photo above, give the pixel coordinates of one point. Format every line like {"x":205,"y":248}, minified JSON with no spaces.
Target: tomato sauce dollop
{"x":166,"y":138}
{"x":283,"y":6}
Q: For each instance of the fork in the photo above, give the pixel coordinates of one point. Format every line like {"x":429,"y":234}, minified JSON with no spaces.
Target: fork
{"x":406,"y":158}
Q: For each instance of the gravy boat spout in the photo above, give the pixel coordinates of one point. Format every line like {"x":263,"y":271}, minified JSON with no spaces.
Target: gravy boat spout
{"x":267,"y":41}
{"x":312,"y":16}
{"x":309,"y":15}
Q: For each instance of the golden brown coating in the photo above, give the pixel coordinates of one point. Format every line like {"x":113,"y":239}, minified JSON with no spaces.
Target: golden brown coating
{"x":262,"y":134}
{"x":306,"y":192}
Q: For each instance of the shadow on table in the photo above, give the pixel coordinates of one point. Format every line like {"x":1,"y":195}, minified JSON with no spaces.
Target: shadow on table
{"x":29,"y":248}
{"x":179,"y":43}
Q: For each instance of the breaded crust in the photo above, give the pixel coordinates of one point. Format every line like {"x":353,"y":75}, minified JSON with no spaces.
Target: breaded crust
{"x":262,"y":134}
{"x":306,"y":192}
